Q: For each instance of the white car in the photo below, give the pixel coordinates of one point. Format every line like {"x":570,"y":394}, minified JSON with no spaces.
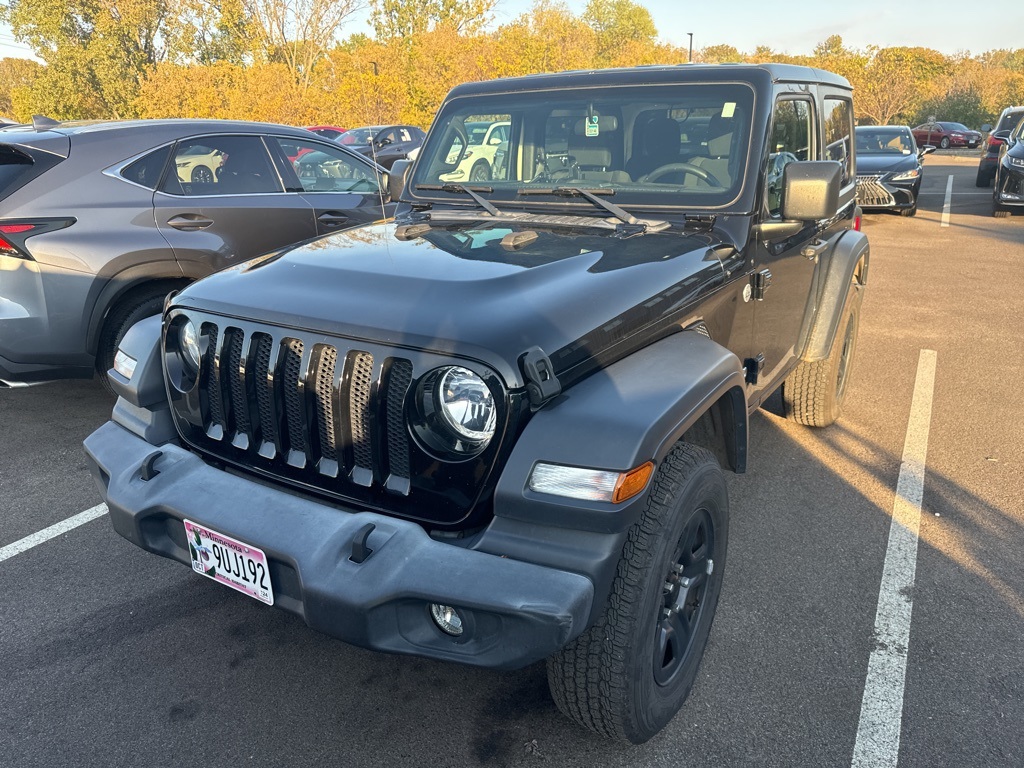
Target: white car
{"x":485,"y":140}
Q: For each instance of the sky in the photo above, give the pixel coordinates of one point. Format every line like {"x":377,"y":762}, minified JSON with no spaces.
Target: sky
{"x":793,"y":27}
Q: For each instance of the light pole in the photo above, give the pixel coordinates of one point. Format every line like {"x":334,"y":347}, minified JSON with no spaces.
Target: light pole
{"x":691,"y":46}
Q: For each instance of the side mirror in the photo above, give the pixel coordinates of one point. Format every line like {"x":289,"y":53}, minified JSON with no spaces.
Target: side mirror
{"x":1002,"y":135}
{"x":383,"y":142}
{"x":986,"y":127}
{"x":927,"y":149}
{"x":810,"y":190}
{"x":396,"y":179}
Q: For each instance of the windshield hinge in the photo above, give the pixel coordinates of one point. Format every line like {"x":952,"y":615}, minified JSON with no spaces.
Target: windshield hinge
{"x":541,"y":382}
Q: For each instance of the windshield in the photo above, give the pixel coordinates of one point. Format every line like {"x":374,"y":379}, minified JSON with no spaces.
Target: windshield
{"x":954,"y":126}
{"x":651,"y":145}
{"x":884,"y":141}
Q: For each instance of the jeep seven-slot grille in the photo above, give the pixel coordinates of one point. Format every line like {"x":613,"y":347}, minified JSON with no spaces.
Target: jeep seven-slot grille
{"x":306,"y":404}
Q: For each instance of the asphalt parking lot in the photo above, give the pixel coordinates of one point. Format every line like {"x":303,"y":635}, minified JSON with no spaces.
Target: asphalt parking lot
{"x":113,"y":657}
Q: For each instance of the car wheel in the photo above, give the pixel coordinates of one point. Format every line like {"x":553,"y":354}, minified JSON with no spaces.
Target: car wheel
{"x":982,"y":179}
{"x":481,"y":171}
{"x":137,"y":305}
{"x":202,"y":175}
{"x":1000,"y":213}
{"x":813,"y":393}
{"x":628,"y":675}
{"x":944,"y":144}
{"x":909,"y":211}
{"x":997,"y":210}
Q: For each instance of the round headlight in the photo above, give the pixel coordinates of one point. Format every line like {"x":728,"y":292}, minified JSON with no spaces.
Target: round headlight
{"x":466,"y":405}
{"x":189,"y":342}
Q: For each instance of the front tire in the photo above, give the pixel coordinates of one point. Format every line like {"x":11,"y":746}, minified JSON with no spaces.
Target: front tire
{"x":944,"y":144}
{"x":814,"y":392}
{"x":628,"y":675}
{"x":480,"y":172}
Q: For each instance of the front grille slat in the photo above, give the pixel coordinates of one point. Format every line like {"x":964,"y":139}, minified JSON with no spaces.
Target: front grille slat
{"x":326,"y":363}
{"x":360,"y":383}
{"x":233,"y":370}
{"x":292,"y":391}
{"x":214,"y":389}
{"x":399,"y":380}
{"x":263,"y":383}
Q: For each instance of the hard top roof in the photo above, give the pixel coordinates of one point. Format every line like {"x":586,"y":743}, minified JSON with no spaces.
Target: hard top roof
{"x":657,"y":75}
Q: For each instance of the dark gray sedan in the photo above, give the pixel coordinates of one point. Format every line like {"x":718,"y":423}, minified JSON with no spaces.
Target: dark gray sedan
{"x":99,"y":221}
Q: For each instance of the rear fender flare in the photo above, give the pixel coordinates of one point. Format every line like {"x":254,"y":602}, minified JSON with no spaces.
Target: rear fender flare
{"x":845,"y":264}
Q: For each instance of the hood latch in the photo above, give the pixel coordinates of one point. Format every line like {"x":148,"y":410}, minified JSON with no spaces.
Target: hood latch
{"x":541,"y":382}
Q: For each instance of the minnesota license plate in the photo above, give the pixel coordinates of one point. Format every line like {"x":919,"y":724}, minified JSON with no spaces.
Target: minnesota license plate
{"x":229,"y":561}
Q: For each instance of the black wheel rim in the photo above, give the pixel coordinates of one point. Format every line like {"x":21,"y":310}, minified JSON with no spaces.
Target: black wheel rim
{"x":683,"y":607}
{"x":479,"y":173}
{"x":202,"y":175}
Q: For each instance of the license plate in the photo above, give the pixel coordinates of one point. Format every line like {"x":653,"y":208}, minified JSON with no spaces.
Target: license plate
{"x":229,"y":561}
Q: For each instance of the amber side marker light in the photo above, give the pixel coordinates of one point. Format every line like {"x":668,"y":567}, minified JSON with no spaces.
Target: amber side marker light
{"x":633,"y":482}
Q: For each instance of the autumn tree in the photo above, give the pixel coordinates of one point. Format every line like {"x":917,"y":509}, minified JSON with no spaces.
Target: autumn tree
{"x":297,"y":33}
{"x":16,"y":79}
{"x":619,"y":25}
{"x":401,"y":19}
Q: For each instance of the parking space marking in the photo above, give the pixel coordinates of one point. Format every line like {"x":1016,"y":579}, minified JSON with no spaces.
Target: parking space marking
{"x":948,"y":201}
{"x":881,"y":711}
{"x":56,"y":529}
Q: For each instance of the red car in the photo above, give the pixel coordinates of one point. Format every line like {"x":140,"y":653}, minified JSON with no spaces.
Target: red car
{"x":327,"y":131}
{"x":945,"y":135}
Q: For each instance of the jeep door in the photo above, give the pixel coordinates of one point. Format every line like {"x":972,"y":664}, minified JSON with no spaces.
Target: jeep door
{"x":342,"y":187}
{"x":222,"y":201}
{"x":778,"y":316}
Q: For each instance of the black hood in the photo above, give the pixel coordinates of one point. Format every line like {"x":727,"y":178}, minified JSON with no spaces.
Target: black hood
{"x":460,"y":292}
{"x":869,"y":165}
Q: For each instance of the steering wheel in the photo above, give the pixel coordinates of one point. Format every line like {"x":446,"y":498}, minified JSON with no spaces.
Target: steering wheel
{"x":694,"y":170}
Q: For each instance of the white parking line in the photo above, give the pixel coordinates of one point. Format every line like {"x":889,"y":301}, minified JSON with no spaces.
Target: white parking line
{"x":56,"y":529}
{"x":946,"y":204}
{"x":881,"y":709}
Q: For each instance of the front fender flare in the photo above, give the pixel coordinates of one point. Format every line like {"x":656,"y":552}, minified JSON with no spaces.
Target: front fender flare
{"x":633,"y":411}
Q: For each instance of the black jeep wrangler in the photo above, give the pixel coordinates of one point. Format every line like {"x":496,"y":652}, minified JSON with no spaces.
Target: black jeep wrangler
{"x":495,"y":430}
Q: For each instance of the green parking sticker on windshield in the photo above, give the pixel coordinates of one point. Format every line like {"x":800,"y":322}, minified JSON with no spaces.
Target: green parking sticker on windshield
{"x":593,"y":127}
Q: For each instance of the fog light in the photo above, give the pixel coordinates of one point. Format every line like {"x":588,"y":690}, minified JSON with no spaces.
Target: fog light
{"x":124,"y":364}
{"x":447,"y":619}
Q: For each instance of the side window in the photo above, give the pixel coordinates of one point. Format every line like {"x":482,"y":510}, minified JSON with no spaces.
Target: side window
{"x":838,"y":120}
{"x":791,"y":141}
{"x":221,"y":165}
{"x":388,"y":137}
{"x":404,"y":134}
{"x":322,"y":168}
{"x":146,"y":171}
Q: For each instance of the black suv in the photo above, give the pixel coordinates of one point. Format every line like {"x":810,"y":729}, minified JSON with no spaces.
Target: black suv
{"x":496,"y":430}
{"x":1008,"y":121}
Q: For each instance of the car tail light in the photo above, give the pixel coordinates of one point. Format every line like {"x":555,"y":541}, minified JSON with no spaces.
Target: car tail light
{"x":993,"y":142}
{"x":14,"y":233}
{"x":856,"y":223}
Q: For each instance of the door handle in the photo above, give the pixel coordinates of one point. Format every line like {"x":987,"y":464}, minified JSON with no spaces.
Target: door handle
{"x":189,"y":222}
{"x":332,"y":219}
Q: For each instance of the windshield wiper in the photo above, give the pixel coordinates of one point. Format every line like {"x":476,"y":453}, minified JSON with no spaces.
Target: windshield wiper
{"x":463,"y":189}
{"x":644,"y":225}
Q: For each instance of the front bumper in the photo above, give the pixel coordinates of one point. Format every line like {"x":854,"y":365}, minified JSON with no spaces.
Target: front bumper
{"x":875,"y":192}
{"x":1009,"y":191}
{"x":515,"y":613}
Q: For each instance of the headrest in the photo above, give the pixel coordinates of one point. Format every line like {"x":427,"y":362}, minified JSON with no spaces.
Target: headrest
{"x":604,"y":123}
{"x":592,"y":156}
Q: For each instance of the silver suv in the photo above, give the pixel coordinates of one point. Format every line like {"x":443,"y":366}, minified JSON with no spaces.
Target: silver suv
{"x":99,"y":221}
